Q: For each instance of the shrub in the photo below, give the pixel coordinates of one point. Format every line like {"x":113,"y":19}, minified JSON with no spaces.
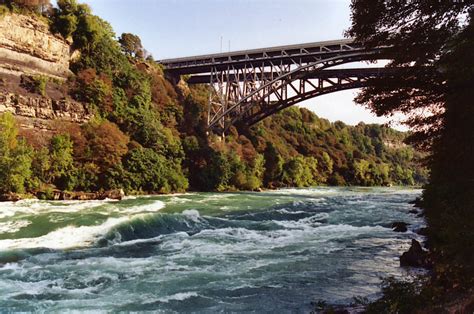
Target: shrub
{"x":3,"y":10}
{"x":35,"y":84}
{"x":15,"y":157}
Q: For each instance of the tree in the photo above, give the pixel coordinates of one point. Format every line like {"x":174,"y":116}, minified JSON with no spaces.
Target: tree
{"x":148,"y":171}
{"x":15,"y":157}
{"x":62,"y":162}
{"x":299,"y":171}
{"x":417,"y":34}
{"x":106,"y":144}
{"x":273,"y":164}
{"x":132,"y":45}
{"x":66,"y":24}
{"x":434,"y":42}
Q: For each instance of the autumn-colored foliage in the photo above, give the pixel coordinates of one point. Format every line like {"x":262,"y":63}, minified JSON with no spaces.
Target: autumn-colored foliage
{"x":151,"y":136}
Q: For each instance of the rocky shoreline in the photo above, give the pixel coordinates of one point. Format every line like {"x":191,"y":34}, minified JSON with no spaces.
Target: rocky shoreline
{"x":57,"y":195}
{"x":417,"y":256}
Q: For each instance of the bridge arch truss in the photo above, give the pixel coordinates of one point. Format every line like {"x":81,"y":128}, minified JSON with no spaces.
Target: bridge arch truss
{"x":248,"y":86}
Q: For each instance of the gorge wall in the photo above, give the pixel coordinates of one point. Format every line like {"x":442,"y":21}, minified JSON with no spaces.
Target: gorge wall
{"x":43,"y":108}
{"x":27,"y":46}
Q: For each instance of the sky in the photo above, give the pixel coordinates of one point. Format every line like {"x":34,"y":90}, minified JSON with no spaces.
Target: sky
{"x":180,"y":28}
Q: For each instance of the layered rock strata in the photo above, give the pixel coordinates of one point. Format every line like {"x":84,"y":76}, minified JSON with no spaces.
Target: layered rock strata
{"x":28,"y":47}
{"x":44,"y":108}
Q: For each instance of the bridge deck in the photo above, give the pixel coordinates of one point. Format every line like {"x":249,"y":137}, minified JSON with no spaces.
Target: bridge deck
{"x":260,"y":57}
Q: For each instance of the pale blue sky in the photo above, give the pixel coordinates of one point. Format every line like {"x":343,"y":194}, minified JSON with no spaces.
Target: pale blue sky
{"x":177,"y":28}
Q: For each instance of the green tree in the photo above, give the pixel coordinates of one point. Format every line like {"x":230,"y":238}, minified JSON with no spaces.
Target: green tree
{"x":148,"y":171}
{"x":62,"y":171}
{"x":41,"y":165}
{"x":131,"y":45}
{"x":66,"y":25}
{"x":15,"y":157}
{"x":273,"y":164}
{"x":299,"y":172}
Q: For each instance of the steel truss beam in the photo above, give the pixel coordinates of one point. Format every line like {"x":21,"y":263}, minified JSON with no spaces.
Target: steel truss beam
{"x":302,"y":53}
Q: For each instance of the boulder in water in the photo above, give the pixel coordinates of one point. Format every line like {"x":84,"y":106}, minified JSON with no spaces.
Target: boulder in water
{"x":117,"y":194}
{"x":399,"y":226}
{"x":66,"y":196}
{"x":82,"y":196}
{"x":415,"y":256}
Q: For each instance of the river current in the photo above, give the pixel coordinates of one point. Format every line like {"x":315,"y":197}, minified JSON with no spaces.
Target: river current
{"x":274,"y":251}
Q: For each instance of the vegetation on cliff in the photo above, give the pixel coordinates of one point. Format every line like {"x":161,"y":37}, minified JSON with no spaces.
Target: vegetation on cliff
{"x":150,"y":136}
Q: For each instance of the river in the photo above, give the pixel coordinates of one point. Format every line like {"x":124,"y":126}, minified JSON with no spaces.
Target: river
{"x":273,"y":251}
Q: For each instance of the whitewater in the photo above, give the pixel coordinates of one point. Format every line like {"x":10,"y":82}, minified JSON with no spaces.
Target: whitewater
{"x":274,"y":251}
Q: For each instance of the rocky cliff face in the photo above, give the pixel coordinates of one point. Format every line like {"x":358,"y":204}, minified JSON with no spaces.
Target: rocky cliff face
{"x":28,"y":47}
{"x":43,"y":108}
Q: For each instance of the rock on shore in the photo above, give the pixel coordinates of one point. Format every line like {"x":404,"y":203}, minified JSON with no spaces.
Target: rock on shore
{"x":415,"y":256}
{"x":57,"y":195}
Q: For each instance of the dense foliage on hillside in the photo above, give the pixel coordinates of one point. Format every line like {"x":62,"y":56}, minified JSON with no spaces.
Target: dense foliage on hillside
{"x":150,"y":136}
{"x":437,"y":94}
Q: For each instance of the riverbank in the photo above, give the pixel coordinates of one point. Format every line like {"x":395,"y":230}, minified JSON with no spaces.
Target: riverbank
{"x":119,"y":194}
{"x":57,"y":195}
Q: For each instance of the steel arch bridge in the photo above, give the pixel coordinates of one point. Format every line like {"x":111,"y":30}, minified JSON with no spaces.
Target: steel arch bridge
{"x":248,"y":86}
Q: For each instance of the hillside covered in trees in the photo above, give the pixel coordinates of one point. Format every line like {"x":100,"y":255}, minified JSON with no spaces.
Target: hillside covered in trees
{"x":149,"y":136}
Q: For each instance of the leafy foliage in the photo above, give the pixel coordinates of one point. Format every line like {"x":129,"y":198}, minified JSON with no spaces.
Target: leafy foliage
{"x":15,"y":157}
{"x":151,"y":136}
{"x":131,"y":45}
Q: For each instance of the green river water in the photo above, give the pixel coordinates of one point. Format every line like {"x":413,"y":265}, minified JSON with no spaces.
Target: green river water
{"x":273,"y":251}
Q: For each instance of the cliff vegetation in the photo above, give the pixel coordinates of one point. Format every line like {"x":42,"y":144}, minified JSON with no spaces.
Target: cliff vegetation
{"x":149,"y":136}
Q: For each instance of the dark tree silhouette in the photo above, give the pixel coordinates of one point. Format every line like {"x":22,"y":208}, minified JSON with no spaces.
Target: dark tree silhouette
{"x":434,"y":41}
{"x":419,"y":34}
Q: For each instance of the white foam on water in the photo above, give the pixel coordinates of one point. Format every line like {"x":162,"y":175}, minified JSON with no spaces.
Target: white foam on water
{"x":179,"y":200}
{"x":33,"y":207}
{"x":192,"y":214}
{"x":139,"y":241}
{"x":181,"y":296}
{"x":13,"y":226}
{"x":285,"y":211}
{"x":64,"y":238}
{"x":305,"y":223}
{"x":9,"y":209}
{"x":306,"y":192}
{"x":129,"y":197}
{"x":209,"y":198}
{"x":235,"y":240}
{"x":146,"y":208}
{"x":11,"y":266}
